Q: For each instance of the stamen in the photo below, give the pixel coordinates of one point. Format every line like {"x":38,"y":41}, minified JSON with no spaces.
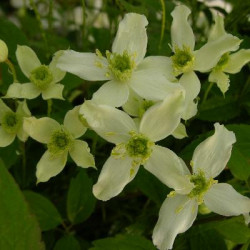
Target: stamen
{"x":11,"y":122}
{"x":41,"y":77}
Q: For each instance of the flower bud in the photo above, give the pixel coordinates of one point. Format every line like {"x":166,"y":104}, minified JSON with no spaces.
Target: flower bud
{"x":3,"y":51}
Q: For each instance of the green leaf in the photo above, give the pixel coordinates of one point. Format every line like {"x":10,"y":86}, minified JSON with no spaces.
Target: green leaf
{"x":19,"y":230}
{"x":80,"y":200}
{"x":46,"y":213}
{"x":68,"y":242}
{"x":123,"y":242}
{"x":239,"y":162}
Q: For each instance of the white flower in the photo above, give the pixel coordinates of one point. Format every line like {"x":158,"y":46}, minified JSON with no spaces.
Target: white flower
{"x":179,"y":210}
{"x":3,"y":51}
{"x":124,"y":68}
{"x":43,"y":79}
{"x":60,"y":140}
{"x":228,"y":63}
{"x":186,"y":60}
{"x":12,"y":123}
{"x":134,"y":144}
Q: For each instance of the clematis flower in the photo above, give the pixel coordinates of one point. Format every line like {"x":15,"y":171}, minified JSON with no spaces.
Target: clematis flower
{"x":60,"y":140}
{"x":43,"y":79}
{"x":186,"y":59}
{"x":12,"y":123}
{"x":134,"y":144}
{"x":179,"y":210}
{"x":124,"y":68}
{"x":228,"y":63}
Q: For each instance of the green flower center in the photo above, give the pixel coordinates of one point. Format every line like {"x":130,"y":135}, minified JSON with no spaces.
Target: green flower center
{"x":201,"y":186}
{"x":146,"y":104}
{"x":182,"y":60}
{"x":11,"y":122}
{"x":41,"y":77}
{"x":222,"y":62}
{"x":60,"y":141}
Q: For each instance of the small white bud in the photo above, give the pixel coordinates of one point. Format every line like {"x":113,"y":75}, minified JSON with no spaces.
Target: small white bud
{"x":3,"y":51}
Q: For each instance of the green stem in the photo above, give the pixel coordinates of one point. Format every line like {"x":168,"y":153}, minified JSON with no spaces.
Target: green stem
{"x":50,"y":15}
{"x":163,"y":21}
{"x":49,"y":110}
{"x":12,"y":69}
{"x":207,"y":92}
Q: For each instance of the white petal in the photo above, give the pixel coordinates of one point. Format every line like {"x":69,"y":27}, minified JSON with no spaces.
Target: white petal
{"x":208,"y":56}
{"x":53,"y":91}
{"x":6,"y":138}
{"x":190,"y":111}
{"x":223,"y":199}
{"x":40,"y":129}
{"x":237,"y":61}
{"x":83,"y":65}
{"x":158,"y":65}
{"x":23,"y":109}
{"x":50,"y":166}
{"x":212,"y":155}
{"x":24,"y":90}
{"x":58,"y":74}
{"x":181,"y":31}
{"x":177,"y":215}
{"x":22,"y":135}
{"x":112,"y":93}
{"x":217,"y":29}
{"x":3,"y":109}
{"x":115,"y":175}
{"x":151,"y":85}
{"x":27,"y":59}
{"x":73,"y":123}
{"x":81,"y":155}
{"x":162,"y":119}
{"x":180,"y":132}
{"x":167,"y":167}
{"x":112,"y":124}
{"x":221,"y":79}
{"x":132,"y":36}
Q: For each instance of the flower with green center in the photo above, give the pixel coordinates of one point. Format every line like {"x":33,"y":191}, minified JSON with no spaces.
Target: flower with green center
{"x":228,"y":63}
{"x":43,"y":79}
{"x":124,"y":68}
{"x":11,"y":123}
{"x":179,"y":210}
{"x":61,"y":140}
{"x":135,"y":143}
{"x":186,"y":60}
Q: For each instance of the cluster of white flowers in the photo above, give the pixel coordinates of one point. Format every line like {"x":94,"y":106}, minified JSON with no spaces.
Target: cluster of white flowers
{"x":155,"y":93}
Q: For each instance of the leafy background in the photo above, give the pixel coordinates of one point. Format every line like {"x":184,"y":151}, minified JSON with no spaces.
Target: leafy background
{"x":62,"y":214}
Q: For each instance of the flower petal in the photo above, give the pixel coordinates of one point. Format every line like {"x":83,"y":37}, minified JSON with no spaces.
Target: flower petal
{"x":167,"y":167}
{"x":162,"y":119}
{"x":177,"y":215}
{"x":112,"y":124}
{"x":23,"y":109}
{"x":115,"y":175}
{"x":3,"y":109}
{"x":217,"y":29}
{"x":83,"y":65}
{"x":212,"y":155}
{"x":27,"y":59}
{"x":132,"y":36}
{"x":150,"y":85}
{"x":190,"y":111}
{"x":6,"y":138}
{"x":53,"y":91}
{"x":50,"y":166}
{"x":181,"y":31}
{"x":237,"y":61}
{"x":73,"y":123}
{"x":221,"y":79}
{"x":58,"y":74}
{"x":40,"y":129}
{"x":112,"y":93}
{"x":22,"y":135}
{"x":223,"y":199}
{"x":180,"y":132}
{"x":208,"y":56}
{"x":81,"y":155}
{"x":24,"y":90}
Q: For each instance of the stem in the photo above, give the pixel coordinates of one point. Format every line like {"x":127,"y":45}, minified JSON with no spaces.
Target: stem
{"x":207,"y":92}
{"x":49,"y":110}
{"x":50,"y":15}
{"x":163,"y":21}
{"x":12,"y":69}
{"x":83,"y":21}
